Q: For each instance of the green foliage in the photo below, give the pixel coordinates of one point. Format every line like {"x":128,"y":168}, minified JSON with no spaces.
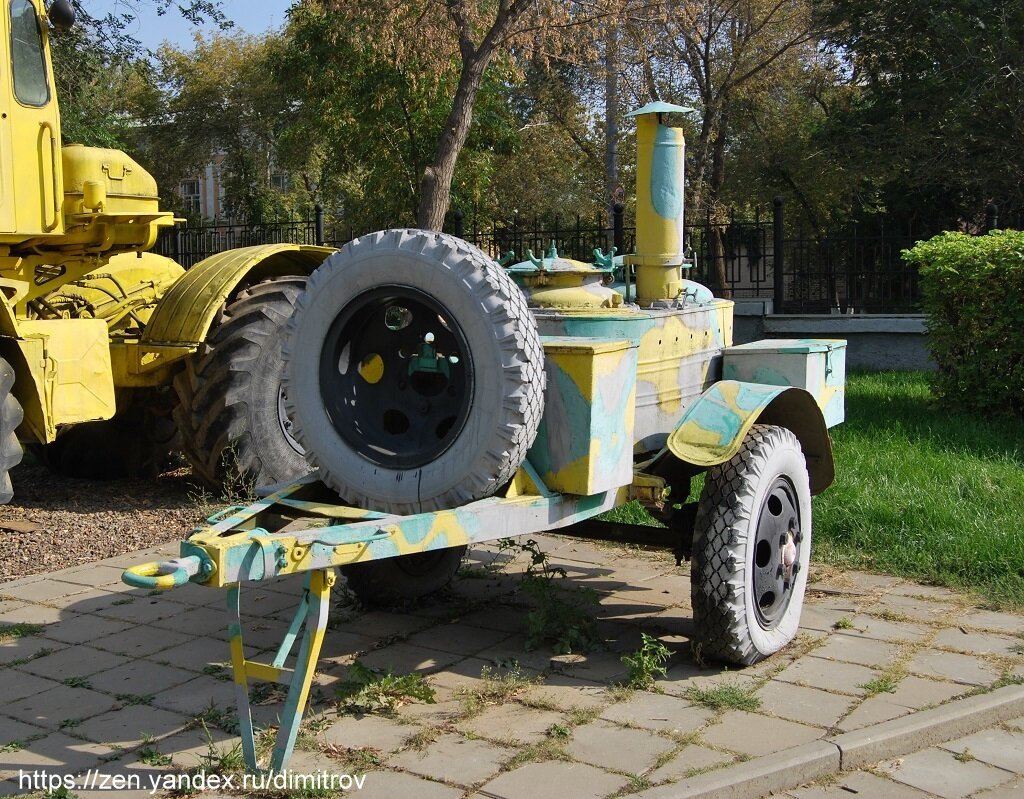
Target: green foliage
{"x":649,"y":660}
{"x":19,"y":630}
{"x":924,"y":492}
{"x":560,"y":617}
{"x":729,"y":696}
{"x":371,"y":690}
{"x":974,"y":297}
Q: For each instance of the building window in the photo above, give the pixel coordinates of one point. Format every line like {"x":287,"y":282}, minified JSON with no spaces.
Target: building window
{"x":189,"y":190}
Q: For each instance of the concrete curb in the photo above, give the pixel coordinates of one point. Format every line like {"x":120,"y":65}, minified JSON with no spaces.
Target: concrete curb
{"x":784,"y":770}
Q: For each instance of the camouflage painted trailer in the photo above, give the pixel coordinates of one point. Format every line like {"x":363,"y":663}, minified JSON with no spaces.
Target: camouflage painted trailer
{"x":446,"y":401}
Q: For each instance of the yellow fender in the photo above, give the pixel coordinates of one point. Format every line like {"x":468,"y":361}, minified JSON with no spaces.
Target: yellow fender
{"x":712,"y":429}
{"x":187,"y":311}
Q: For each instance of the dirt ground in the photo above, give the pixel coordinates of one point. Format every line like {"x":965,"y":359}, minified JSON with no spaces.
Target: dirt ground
{"x":54,"y":522}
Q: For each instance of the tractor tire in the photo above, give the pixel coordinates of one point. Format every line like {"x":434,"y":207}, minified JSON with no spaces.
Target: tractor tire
{"x":230,"y":413}
{"x":11,"y":415}
{"x":752,"y":544}
{"x":135,"y":443}
{"x":394,"y":581}
{"x":415,"y":373}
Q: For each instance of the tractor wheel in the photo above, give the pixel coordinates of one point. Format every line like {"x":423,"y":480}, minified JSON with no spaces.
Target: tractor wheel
{"x":135,"y":443}
{"x":231,"y":416}
{"x":752,"y":543}
{"x":10,"y":417}
{"x":415,"y":372}
{"x":402,"y":579}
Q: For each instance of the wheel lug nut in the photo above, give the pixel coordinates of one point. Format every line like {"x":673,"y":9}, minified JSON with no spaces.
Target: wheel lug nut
{"x":796,"y":568}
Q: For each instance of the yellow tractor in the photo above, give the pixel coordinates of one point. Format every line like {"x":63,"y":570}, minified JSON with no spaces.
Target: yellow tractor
{"x":103,"y":343}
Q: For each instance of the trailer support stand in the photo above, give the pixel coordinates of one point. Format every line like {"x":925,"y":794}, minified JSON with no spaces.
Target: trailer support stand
{"x":311,"y":614}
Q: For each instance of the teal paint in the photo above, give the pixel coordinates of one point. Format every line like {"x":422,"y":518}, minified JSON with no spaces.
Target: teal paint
{"x":666,"y":168}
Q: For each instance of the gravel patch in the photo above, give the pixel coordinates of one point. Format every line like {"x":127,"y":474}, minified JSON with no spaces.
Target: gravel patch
{"x":81,"y":521}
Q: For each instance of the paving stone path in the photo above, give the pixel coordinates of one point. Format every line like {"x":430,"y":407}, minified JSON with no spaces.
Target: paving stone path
{"x":124,"y":682}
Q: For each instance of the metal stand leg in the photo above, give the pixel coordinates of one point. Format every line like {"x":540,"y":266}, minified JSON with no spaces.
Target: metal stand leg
{"x":312,"y":614}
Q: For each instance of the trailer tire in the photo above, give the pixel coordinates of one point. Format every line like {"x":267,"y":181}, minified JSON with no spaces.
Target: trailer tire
{"x":230,"y":400}
{"x":415,"y":372}
{"x":11,"y":415}
{"x":403,"y":579}
{"x":751,"y":508}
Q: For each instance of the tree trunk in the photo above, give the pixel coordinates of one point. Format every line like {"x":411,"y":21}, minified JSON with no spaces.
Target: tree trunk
{"x":436,"y":183}
{"x":611,"y":119}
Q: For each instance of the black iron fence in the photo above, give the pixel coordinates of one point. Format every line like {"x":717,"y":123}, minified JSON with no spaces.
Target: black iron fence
{"x":857,"y":271}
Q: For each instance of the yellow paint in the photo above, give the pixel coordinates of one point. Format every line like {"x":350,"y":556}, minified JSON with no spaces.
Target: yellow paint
{"x":371,"y":368}
{"x":188,"y":309}
{"x":255,"y":670}
{"x":70,"y":368}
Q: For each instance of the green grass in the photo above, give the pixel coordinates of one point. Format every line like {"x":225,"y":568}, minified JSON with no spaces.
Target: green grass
{"x":724,"y":697}
{"x":924,"y":493}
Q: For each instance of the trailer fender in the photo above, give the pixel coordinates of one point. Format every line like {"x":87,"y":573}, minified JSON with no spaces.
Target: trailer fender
{"x":187,"y":311}
{"x":712,"y":429}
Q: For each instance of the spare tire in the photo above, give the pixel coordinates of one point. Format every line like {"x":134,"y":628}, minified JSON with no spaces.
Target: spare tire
{"x":415,"y":373}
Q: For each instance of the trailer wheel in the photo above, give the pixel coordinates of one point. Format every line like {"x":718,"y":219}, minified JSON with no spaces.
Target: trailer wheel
{"x":230,"y":413}
{"x":402,"y":579}
{"x":752,"y":544}
{"x":415,"y":372}
{"x":11,"y":415}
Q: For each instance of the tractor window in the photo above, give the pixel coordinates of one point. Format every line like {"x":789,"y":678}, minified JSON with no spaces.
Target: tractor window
{"x":27,"y":63}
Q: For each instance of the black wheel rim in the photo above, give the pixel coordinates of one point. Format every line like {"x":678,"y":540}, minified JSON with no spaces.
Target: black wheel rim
{"x":396,"y":377}
{"x":777,"y":550}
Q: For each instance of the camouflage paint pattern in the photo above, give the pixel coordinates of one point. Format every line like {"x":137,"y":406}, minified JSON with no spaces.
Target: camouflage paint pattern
{"x":816,"y":365}
{"x":585,"y":441}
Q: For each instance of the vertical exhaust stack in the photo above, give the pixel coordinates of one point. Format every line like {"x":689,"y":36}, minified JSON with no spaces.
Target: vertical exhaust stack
{"x":660,"y":154}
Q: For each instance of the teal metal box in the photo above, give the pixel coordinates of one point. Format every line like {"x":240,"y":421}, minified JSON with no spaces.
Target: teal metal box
{"x":818,"y":365}
{"x":584,"y":443}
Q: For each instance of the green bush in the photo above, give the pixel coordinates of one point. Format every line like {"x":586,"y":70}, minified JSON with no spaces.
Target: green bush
{"x":974,"y":298}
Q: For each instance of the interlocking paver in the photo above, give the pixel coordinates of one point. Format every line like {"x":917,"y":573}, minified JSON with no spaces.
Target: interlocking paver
{"x":139,"y":677}
{"x":565,"y":693}
{"x":861,"y":651}
{"x":806,"y":705}
{"x":25,"y":649}
{"x":974,"y":643}
{"x":872,"y":627}
{"x":372,"y":732}
{"x":953,"y":666}
{"x":25,"y":685}
{"x":80,"y":629}
{"x":50,"y":708}
{"x":916,"y":692}
{"x":691,"y":759}
{"x":394,"y":784}
{"x":553,"y":780}
{"x":130,"y":725}
{"x":873,"y":710}
{"x":43,"y":590}
{"x":56,"y":751}
{"x":995,"y":747}
{"x":828,"y":675}
{"x":607,"y":745}
{"x":143,"y":640}
{"x":928,"y":611}
{"x":861,"y":784}
{"x":454,"y":759}
{"x":1014,"y":789}
{"x":73,"y":661}
{"x":197,"y":654}
{"x":754,"y":734}
{"x":940,"y":773}
{"x":195,"y":696}
{"x":512,"y":722}
{"x":17,"y":731}
{"x":658,"y":712}
{"x":991,"y":620}
{"x":404,"y":658}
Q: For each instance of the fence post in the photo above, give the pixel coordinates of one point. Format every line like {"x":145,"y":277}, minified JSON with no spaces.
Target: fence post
{"x":991,"y":217}
{"x":778,"y":277}
{"x":618,"y":229}
{"x":318,"y":225}
{"x":457,"y":218}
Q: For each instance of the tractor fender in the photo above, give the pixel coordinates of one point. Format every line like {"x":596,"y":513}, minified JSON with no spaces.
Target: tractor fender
{"x":187,"y":311}
{"x":712,"y":429}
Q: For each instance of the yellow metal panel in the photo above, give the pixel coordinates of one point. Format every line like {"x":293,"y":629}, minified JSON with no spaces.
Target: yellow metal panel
{"x":75,"y":363}
{"x":189,"y":308}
